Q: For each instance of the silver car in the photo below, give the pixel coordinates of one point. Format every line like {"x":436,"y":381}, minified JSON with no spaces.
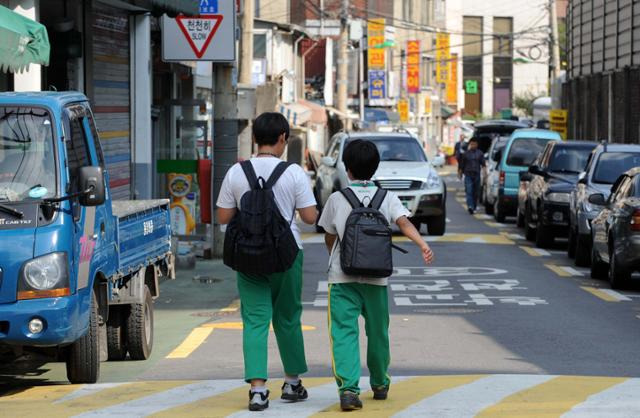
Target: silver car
{"x":404,"y":169}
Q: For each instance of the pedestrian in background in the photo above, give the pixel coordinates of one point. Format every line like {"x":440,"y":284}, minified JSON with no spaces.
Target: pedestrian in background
{"x":470,"y":166}
{"x":271,"y":297}
{"x":458,"y":150}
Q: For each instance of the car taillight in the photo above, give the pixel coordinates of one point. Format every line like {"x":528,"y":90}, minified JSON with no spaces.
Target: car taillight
{"x":635,"y":220}
{"x":502,"y":177}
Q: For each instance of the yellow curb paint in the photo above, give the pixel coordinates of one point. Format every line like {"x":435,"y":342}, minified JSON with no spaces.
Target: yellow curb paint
{"x":557,"y":270}
{"x":550,"y":399}
{"x":531,"y":251}
{"x":233,"y":306}
{"x":477,"y":238}
{"x":191,"y":343}
{"x":402,"y":395}
{"x":600,"y":294}
{"x":238,"y":326}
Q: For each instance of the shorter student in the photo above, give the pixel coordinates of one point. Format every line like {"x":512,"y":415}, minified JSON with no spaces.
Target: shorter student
{"x":352,"y":296}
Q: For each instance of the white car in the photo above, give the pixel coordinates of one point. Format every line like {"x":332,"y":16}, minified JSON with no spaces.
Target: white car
{"x":404,"y":170}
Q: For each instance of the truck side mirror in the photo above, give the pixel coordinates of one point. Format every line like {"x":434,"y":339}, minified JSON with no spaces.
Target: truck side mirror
{"x":597,"y":199}
{"x":92,"y":186}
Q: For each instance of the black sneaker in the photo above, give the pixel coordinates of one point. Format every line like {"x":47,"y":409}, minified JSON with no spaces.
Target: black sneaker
{"x":349,"y":401}
{"x":470,"y":211}
{"x":380,"y":392}
{"x":294,"y":393}
{"x":258,"y":401}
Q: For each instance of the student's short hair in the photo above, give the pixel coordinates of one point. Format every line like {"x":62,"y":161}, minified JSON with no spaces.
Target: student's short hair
{"x":361,"y":158}
{"x":474,"y":139}
{"x":268,"y":127}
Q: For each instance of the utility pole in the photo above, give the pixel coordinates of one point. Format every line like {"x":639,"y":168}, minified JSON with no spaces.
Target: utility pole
{"x":246,"y":44}
{"x":343,"y":64}
{"x":361,"y":85}
{"x":555,"y":47}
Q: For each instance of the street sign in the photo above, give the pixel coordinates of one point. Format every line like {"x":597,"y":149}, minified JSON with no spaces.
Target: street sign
{"x":377,"y":86}
{"x":558,"y":119}
{"x":413,"y":66}
{"x":403,"y":110}
{"x":208,"y":37}
{"x":471,"y":86}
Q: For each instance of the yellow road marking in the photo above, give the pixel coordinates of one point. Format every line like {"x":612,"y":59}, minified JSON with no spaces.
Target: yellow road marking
{"x":550,"y":399}
{"x":233,"y":306}
{"x":402,"y":395}
{"x":23,"y":405}
{"x":600,"y":294}
{"x":49,"y":393}
{"x":557,"y":270}
{"x":191,"y":343}
{"x":233,"y":401}
{"x":532,"y":252}
{"x":238,"y":326}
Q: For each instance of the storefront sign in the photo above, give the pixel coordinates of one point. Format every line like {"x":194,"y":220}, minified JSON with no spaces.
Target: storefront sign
{"x":413,"y":66}
{"x":558,"y":119}
{"x":403,"y":110}
{"x":427,"y":105}
{"x":442,"y":57}
{"x":375,"y":35}
{"x":452,"y":84}
{"x":377,"y":85}
{"x":471,"y":86}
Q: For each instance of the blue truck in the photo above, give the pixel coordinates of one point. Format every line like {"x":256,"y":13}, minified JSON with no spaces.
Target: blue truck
{"x":78,"y":271}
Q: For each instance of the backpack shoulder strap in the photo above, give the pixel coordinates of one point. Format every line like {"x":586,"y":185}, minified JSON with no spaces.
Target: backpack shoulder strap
{"x":378,"y":198}
{"x":351,"y":198}
{"x":250,"y":173}
{"x":277,"y":172}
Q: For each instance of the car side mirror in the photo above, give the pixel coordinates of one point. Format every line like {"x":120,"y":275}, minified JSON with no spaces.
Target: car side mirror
{"x":91,"y":181}
{"x":328,"y":161}
{"x":534,"y":169}
{"x":582,"y":178}
{"x":597,"y":199}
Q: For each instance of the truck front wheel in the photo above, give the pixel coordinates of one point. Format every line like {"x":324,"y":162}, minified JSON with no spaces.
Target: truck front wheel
{"x":140,"y":328}
{"x":83,"y":360}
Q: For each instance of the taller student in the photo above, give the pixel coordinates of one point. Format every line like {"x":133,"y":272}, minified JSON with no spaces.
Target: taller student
{"x":275,"y":296}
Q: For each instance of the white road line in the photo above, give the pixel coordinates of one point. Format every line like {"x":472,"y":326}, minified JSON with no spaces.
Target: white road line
{"x":616,"y":402}
{"x":88,"y":390}
{"x":543,"y":253}
{"x":515,"y":236}
{"x":468,"y":400}
{"x":617,"y":295}
{"x":572,"y":271}
{"x":167,"y":399}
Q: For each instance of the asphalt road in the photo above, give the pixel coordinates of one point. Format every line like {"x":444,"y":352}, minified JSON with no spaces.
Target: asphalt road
{"x":491,"y":307}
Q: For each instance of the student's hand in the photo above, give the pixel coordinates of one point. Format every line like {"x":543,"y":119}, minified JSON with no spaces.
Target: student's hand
{"x":427,"y":254}
{"x":460,"y":175}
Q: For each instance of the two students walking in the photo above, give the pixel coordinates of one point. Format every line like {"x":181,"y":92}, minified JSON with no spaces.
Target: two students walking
{"x":274,"y":294}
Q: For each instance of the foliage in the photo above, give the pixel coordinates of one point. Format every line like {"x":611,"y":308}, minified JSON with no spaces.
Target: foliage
{"x":524,"y":102}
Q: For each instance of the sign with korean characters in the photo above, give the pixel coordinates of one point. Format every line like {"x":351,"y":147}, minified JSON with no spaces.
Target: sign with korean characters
{"x":443,"y":56}
{"x":471,"y":86}
{"x":427,"y":105}
{"x":413,"y":66}
{"x":377,"y":85}
{"x":403,"y":110}
{"x":558,"y":121}
{"x":375,"y":36}
{"x":452,"y":84}
{"x":211,"y":36}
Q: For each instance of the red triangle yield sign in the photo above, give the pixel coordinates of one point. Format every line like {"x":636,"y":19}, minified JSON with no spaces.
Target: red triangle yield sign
{"x":214,"y":25}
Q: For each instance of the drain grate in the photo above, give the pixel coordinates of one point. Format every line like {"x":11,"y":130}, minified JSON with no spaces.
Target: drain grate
{"x":206,"y":279}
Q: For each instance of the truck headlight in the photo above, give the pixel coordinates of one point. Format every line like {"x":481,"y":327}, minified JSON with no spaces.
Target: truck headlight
{"x":558,"y":197}
{"x":44,"y":277}
{"x":433,"y":181}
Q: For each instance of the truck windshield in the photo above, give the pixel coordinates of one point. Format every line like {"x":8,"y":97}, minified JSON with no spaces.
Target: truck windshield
{"x":524,"y":151}
{"x":612,"y":164}
{"x":27,"y":158}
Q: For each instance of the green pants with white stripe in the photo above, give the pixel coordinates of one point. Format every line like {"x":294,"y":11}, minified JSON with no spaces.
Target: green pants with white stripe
{"x":275,"y":297}
{"x":347,"y":301}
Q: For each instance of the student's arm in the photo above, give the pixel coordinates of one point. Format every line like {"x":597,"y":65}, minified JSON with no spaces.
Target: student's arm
{"x":226,"y":200}
{"x":329,"y":240}
{"x":409,"y":231}
{"x":308,"y":214}
{"x":225,"y":215}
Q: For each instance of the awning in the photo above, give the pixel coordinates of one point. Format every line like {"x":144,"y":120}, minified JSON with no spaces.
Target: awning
{"x":295,"y":113}
{"x":318,"y":112}
{"x":446,"y":111}
{"x":24,"y":42}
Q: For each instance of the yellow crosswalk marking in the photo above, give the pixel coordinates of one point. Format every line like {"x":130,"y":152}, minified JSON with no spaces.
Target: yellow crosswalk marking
{"x":550,"y":399}
{"x":600,"y":294}
{"x":557,"y":270}
{"x":49,"y":393}
{"x":191,"y":343}
{"x":402,"y":395}
{"x":531,"y":251}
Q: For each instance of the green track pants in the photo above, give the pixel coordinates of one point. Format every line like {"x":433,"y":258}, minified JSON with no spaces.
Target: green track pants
{"x":347,"y":301}
{"x":275,"y":297}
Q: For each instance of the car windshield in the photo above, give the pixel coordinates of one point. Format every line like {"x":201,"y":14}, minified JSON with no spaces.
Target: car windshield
{"x":524,"y":151}
{"x":612,"y":164}
{"x":501,"y":142}
{"x":27,"y":163}
{"x":398,"y":149}
{"x":569,"y":160}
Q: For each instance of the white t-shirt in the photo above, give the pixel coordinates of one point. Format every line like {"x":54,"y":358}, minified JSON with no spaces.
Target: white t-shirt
{"x":334,"y":217}
{"x":291,"y":191}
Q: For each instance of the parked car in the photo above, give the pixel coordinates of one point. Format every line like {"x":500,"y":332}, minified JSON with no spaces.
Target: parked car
{"x":489,"y":184}
{"x":616,"y":231}
{"x":606,"y":163}
{"x":404,"y":169}
{"x":521,"y":151}
{"x":486,"y":131}
{"x":78,"y":271}
{"x":546,"y":214}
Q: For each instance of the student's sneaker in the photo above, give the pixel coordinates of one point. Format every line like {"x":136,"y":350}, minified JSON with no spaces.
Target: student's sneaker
{"x":349,"y":401}
{"x":258,"y":401}
{"x":294,"y":392}
{"x":470,"y":211}
{"x":380,"y":392}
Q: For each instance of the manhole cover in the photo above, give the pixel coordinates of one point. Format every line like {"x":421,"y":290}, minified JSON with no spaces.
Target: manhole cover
{"x":206,"y":279}
{"x":448,"y":311}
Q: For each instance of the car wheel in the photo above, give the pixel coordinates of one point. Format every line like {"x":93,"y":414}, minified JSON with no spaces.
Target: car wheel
{"x":529,"y":232}
{"x":488,"y":207}
{"x":598,"y":268}
{"x":437,"y":225}
{"x":571,"y":247}
{"x":520,"y":221}
{"x":583,"y":251}
{"x":498,"y":211}
{"x":544,"y":236}
{"x":618,"y":276}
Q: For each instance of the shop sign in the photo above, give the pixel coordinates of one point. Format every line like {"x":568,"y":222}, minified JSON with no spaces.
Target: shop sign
{"x":413,"y":66}
{"x":403,"y":110}
{"x":375,"y":35}
{"x":377,"y":85}
{"x":443,"y":55}
{"x":452,"y":84}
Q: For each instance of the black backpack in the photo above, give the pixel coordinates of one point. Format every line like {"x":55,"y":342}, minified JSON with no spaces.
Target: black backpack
{"x":259,"y":240}
{"x":365,"y":248}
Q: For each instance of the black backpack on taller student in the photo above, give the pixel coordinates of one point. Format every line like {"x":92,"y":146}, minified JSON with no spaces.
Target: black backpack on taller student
{"x":258,"y":239}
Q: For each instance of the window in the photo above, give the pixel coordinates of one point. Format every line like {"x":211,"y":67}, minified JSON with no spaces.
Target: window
{"x":260,"y":46}
{"x":524,"y":151}
{"x":96,"y":139}
{"x":76,"y":144}
{"x":472,"y":50}
{"x":612,"y":164}
{"x":569,"y":160}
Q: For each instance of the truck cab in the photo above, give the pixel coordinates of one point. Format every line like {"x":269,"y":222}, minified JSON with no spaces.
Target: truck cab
{"x":77,"y":271}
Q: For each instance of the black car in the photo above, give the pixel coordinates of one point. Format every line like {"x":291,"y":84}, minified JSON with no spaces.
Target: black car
{"x":552,"y":180}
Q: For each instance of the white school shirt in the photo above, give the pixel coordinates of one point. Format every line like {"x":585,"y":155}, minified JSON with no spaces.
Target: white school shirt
{"x":334,"y":217}
{"x":291,"y":191}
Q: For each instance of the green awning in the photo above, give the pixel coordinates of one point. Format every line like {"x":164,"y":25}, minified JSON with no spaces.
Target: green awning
{"x":186,"y":7}
{"x":23,"y":42}
{"x":446,"y":111}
